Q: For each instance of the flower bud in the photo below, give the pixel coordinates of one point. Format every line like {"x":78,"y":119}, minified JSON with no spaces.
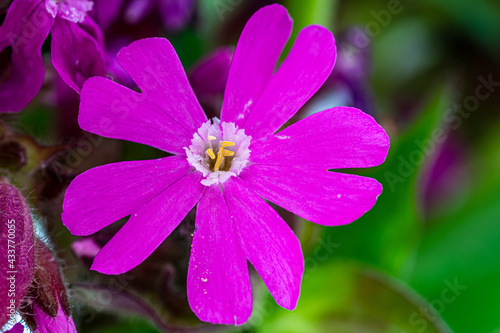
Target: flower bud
{"x":16,"y":249}
{"x":47,"y":308}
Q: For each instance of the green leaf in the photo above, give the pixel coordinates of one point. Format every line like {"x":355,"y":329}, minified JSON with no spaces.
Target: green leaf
{"x":346,"y":297}
{"x":305,"y":13}
{"x":37,"y":122}
{"x":480,"y":19}
{"x":387,"y":235}
{"x":120,"y":325}
{"x":463,"y":248}
{"x":100,"y":301}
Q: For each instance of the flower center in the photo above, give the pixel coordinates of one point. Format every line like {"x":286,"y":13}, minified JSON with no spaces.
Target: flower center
{"x":219,"y":151}
{"x":220,"y":155}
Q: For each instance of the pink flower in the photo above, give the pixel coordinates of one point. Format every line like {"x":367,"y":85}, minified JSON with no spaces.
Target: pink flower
{"x":77,"y":47}
{"x":225,"y":167}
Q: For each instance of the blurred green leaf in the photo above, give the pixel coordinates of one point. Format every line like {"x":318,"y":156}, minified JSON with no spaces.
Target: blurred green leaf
{"x":480,"y":19}
{"x":464,"y":246}
{"x":37,"y":122}
{"x":116,"y":301}
{"x":137,"y":151}
{"x":387,"y":235}
{"x":346,"y":297}
{"x":398,"y":61}
{"x":305,"y":13}
{"x":188,"y":45}
{"x":129,"y":325}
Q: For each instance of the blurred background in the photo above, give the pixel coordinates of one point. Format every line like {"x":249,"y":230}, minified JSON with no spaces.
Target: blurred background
{"x":426,"y":258}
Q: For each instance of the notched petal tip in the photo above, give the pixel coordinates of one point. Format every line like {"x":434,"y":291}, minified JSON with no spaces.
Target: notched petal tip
{"x":157,"y":43}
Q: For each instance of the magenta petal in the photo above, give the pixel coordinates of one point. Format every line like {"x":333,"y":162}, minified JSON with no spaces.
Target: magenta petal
{"x":94,"y":30}
{"x":155,"y":67}
{"x":255,"y":57}
{"x":218,"y":285}
{"x":148,"y":227}
{"x":303,"y":72}
{"x":48,"y":324}
{"x":322,"y":197}
{"x":269,"y":243}
{"x":103,"y":195}
{"x":75,"y":54}
{"x":111,"y":110}
{"x":342,"y":137}
{"x":24,"y":30}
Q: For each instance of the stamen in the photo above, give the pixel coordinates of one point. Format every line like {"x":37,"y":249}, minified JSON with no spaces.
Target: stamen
{"x":220,"y":154}
{"x":225,"y":144}
{"x":210,"y":153}
{"x":219,"y":151}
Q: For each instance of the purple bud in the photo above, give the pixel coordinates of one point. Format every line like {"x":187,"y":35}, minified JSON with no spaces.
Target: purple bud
{"x":16,"y":246}
{"x":47,"y":308}
{"x":49,"y":324}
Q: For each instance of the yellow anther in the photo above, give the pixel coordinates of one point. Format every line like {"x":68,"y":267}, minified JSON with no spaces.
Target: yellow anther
{"x":210,"y":137}
{"x":210,"y":153}
{"x":221,"y":153}
{"x":225,"y":144}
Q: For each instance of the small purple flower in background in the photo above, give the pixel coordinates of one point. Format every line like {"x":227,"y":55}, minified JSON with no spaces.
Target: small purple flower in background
{"x":353,"y":71}
{"x":225,"y":166}
{"x":208,"y":79}
{"x":124,"y":21}
{"x":447,"y":175}
{"x":77,"y":47}
{"x":349,"y":82}
{"x":175,"y":14}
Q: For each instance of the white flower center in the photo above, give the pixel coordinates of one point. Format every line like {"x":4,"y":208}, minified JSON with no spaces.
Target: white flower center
{"x":219,"y":151}
{"x":71,"y":10}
